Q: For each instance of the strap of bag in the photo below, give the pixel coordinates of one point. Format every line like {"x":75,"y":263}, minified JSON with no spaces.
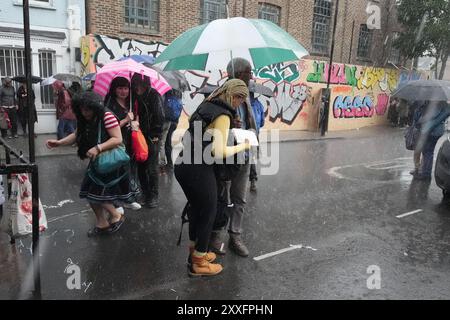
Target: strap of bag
{"x":99,"y":134}
{"x":184,"y":219}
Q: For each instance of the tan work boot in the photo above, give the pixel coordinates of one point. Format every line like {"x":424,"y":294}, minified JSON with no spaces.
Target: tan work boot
{"x":201,"y":267}
{"x":210,"y":256}
{"x":216,"y":243}
{"x":237,"y":245}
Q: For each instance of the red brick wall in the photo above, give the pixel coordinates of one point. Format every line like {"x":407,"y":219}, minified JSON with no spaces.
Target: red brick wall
{"x":176,"y":16}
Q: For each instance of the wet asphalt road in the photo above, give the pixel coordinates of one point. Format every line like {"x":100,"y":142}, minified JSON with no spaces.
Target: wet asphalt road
{"x":337,"y":198}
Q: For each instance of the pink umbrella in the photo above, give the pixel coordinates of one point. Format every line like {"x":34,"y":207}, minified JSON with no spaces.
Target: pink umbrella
{"x":126,"y":69}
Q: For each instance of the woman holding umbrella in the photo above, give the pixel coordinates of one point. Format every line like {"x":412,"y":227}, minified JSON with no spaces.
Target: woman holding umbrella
{"x":118,"y":101}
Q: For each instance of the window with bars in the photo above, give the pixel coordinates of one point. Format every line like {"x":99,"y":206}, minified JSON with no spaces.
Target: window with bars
{"x":321,"y":26}
{"x":12,"y":62}
{"x":47,"y":67}
{"x":212,"y":9}
{"x":365,"y":42}
{"x":394,"y":55}
{"x":269,"y":12}
{"x":142,"y":14}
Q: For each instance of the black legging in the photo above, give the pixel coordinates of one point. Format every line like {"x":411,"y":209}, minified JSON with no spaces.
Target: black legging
{"x":148,"y":172}
{"x":198,"y":182}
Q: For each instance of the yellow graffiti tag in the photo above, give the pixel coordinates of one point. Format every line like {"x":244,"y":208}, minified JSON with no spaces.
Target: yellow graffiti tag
{"x":371,"y":77}
{"x":392,"y":79}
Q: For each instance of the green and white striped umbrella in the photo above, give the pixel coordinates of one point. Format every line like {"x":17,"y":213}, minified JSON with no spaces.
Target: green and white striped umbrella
{"x":211,"y":46}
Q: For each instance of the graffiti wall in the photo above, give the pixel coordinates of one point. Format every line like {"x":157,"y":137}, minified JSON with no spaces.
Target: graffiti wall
{"x":97,"y":50}
{"x":359,"y":94}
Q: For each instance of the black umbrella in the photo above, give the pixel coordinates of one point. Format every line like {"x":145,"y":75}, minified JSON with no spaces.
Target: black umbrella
{"x":176,"y":79}
{"x":23,"y":78}
{"x":431,"y":90}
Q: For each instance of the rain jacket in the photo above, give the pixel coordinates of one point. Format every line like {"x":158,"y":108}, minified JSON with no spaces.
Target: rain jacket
{"x":433,"y":120}
{"x":7,"y":96}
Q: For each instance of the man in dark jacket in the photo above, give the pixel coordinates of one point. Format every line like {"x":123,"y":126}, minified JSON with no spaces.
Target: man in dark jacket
{"x":148,"y":106}
{"x":9,"y":105}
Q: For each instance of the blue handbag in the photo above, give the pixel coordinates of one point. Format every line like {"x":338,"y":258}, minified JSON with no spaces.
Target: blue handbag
{"x":110,"y":160}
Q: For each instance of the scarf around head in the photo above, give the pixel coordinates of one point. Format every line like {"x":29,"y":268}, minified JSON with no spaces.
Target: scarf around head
{"x":229,"y":89}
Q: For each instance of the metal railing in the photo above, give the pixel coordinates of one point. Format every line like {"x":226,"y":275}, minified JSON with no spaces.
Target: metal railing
{"x":25,"y":165}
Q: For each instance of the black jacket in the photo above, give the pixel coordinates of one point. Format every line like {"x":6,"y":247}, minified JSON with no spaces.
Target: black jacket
{"x":151,"y":114}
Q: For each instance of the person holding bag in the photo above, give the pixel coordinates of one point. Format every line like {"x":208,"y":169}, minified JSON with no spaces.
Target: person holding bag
{"x":118,"y":101}
{"x":98,"y":132}
{"x":149,"y":118}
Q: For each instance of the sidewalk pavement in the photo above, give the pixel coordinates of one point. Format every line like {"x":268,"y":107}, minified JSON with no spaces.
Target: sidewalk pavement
{"x":21,"y":143}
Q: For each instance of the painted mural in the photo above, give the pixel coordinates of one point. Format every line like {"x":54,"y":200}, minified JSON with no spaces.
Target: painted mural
{"x":359,"y":94}
{"x":97,"y":50}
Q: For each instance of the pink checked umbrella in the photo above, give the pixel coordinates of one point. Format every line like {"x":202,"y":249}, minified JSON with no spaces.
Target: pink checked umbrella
{"x":126,"y":69}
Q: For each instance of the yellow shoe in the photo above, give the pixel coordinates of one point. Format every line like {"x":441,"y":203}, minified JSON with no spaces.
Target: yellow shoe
{"x":201,"y":267}
{"x":210,"y":256}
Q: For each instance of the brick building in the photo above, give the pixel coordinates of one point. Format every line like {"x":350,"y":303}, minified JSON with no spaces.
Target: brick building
{"x":309,"y":21}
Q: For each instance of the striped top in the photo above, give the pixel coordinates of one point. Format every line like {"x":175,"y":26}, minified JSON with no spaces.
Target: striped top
{"x":110,"y":120}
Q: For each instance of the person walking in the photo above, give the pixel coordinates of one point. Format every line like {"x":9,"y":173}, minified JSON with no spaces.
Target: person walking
{"x":432,"y":127}
{"x":118,"y":101}
{"x":64,"y":113}
{"x":197,"y":177}
{"x":8,"y":104}
{"x":91,"y":117}
{"x":238,"y":68}
{"x":149,"y":113}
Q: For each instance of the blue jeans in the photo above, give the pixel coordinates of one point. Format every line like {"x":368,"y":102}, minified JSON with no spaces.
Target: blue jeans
{"x":428,"y":154}
{"x":66,"y":127}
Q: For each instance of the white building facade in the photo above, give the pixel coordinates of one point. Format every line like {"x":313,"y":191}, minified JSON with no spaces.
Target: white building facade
{"x":56,"y":27}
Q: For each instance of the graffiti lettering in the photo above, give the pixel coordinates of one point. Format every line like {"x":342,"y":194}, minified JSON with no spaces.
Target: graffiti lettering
{"x":287,"y":102}
{"x":279,"y":72}
{"x":382,"y":104}
{"x":340,"y":74}
{"x":348,"y":107}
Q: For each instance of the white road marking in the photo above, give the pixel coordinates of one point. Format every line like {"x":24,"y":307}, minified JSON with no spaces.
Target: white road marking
{"x":409,"y":213}
{"x":68,"y":215}
{"x":59,"y":205}
{"x":291,"y":247}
